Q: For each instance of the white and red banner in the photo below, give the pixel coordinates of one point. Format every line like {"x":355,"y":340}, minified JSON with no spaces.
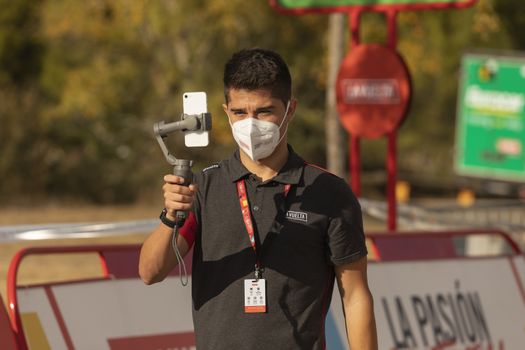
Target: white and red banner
{"x":450,"y":304}
{"x":108,"y":314}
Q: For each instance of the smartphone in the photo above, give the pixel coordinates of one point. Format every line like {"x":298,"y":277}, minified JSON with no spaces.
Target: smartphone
{"x":195,"y":103}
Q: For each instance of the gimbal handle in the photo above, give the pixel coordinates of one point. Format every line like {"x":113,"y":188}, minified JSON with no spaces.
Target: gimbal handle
{"x":181,"y":167}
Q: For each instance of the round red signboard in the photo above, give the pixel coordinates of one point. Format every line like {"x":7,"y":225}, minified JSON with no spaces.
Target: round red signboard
{"x":373,"y":91}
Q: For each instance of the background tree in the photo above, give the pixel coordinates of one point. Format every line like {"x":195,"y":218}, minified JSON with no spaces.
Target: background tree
{"x":81,"y":84}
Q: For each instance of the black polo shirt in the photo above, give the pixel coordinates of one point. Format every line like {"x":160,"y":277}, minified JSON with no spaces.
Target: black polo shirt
{"x":300,"y":238}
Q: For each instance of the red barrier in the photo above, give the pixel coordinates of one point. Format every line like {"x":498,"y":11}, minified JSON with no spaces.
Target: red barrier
{"x":118,"y":262}
{"x":424,"y":245}
{"x":447,"y":290}
{"x":21,"y":254}
{"x":7,"y":336}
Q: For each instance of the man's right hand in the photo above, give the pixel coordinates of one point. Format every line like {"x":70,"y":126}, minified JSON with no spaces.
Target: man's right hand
{"x":176,"y":196}
{"x":157,"y":258}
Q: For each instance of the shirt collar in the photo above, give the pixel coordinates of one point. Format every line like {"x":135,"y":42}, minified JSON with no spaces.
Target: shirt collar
{"x":236,"y":169}
{"x":290,"y":173}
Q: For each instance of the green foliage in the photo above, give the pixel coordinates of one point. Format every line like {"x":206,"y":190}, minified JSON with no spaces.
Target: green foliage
{"x":82,"y":82}
{"x":105,"y":71}
{"x":20,"y":47}
{"x":432,"y":43}
{"x":511,"y":14}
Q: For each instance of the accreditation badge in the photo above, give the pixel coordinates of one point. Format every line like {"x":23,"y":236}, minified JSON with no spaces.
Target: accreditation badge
{"x":255,"y":295}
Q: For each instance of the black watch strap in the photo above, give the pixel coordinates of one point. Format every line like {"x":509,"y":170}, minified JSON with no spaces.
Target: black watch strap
{"x":165,"y":220}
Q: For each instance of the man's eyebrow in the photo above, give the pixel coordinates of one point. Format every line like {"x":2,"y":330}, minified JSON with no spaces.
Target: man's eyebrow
{"x":265,"y":108}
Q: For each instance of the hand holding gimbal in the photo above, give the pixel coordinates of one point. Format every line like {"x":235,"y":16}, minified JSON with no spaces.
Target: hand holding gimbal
{"x":195,"y":127}
{"x":181,"y":167}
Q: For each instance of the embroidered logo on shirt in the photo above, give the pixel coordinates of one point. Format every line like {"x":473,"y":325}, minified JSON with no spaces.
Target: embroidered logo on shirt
{"x":210,"y":167}
{"x":297,"y":216}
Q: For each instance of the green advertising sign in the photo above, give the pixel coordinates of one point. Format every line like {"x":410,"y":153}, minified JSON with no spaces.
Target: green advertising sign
{"x":292,"y":4}
{"x":490,"y":127}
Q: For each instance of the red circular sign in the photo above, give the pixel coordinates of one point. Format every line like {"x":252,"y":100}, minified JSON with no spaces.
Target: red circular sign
{"x":373,"y":91}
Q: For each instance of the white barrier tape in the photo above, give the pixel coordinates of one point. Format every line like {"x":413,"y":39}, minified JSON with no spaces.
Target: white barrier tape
{"x":454,"y":217}
{"x":74,"y":230}
{"x":412,"y":216}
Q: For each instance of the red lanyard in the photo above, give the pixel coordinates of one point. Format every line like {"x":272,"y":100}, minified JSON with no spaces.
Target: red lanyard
{"x":245,"y":209}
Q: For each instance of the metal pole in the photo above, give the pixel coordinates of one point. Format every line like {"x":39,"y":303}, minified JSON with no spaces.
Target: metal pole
{"x":355,"y":165}
{"x":354,"y":144}
{"x":391,"y":166}
{"x":335,"y":150}
{"x":391,"y":162}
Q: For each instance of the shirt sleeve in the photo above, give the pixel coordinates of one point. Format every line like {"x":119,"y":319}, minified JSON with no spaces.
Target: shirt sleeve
{"x":189,"y":229}
{"x":345,"y":236}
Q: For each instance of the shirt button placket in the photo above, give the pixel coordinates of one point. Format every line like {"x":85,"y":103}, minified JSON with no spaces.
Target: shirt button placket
{"x":258,"y":200}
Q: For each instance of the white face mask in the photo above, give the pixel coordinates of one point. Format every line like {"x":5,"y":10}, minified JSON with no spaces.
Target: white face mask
{"x":258,"y":138}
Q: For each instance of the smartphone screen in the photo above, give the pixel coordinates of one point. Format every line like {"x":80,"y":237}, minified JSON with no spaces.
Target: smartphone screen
{"x":195,"y":103}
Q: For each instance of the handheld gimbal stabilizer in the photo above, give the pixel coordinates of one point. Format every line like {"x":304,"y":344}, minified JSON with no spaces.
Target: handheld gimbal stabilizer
{"x":181,"y":167}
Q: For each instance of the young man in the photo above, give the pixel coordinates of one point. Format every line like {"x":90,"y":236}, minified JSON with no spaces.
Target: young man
{"x":265,"y":221}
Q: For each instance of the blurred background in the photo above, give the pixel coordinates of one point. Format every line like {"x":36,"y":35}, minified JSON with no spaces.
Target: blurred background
{"x":81,"y":84}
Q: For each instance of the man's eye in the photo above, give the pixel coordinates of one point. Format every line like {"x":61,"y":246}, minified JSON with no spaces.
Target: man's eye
{"x":239,"y":113}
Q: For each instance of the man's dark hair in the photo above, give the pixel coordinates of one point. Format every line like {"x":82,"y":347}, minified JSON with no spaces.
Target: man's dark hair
{"x":254,"y":69}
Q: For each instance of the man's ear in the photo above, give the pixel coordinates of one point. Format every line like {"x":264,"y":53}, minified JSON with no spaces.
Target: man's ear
{"x":225,"y":108}
{"x":291,"y":109}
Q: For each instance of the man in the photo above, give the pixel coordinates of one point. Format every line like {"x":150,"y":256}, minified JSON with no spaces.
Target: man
{"x":270,"y":231}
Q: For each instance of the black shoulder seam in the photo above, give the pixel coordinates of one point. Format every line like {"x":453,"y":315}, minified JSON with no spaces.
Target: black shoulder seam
{"x":321,"y":168}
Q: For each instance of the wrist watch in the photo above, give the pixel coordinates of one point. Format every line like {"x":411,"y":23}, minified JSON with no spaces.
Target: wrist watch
{"x":165,"y":220}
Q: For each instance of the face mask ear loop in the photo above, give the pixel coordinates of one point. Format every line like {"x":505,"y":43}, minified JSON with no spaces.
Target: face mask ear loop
{"x":285,"y":116}
{"x":229,"y":120}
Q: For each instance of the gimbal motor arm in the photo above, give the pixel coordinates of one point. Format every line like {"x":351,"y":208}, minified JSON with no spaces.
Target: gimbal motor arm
{"x":181,"y":167}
